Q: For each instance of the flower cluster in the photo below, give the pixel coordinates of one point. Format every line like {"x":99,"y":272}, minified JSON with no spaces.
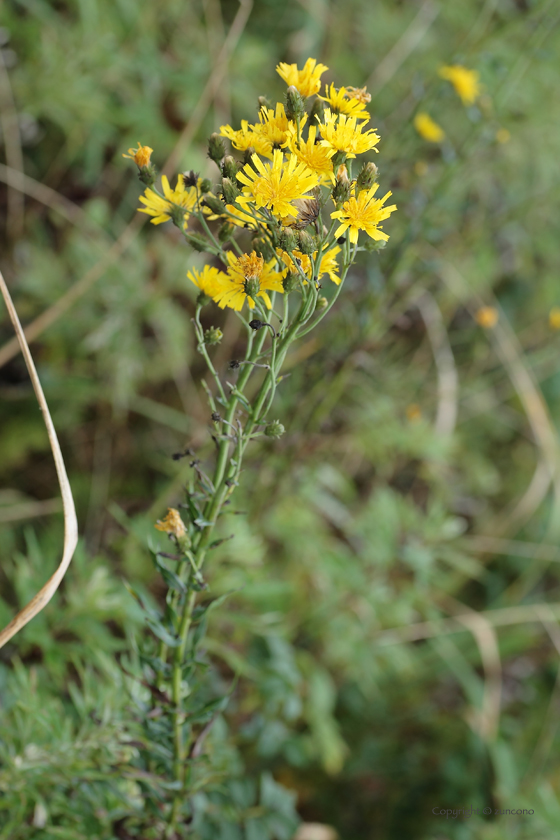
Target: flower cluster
{"x":286,"y":197}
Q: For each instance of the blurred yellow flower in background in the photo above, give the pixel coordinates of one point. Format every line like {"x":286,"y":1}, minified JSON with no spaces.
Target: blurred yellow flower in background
{"x":464,"y":81}
{"x":427,"y":128}
{"x":487,"y":317}
{"x":554,"y":318}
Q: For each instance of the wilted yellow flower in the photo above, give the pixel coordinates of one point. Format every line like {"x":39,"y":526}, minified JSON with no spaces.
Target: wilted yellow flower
{"x":464,"y":81}
{"x":246,"y":138}
{"x":140,"y":156}
{"x":554,"y":318}
{"x":427,"y":128}
{"x":364,"y":213}
{"x":314,"y":155}
{"x":162,"y":208}
{"x":341,"y":102}
{"x":248,"y":277}
{"x":172,"y":524}
{"x":487,"y":317}
{"x":360,"y":94}
{"x":210,"y":280}
{"x":276,"y":185}
{"x":503,"y":135}
{"x":307,"y":81}
{"x":343,"y":134}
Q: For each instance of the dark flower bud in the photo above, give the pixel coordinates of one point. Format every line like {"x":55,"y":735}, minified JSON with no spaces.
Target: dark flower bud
{"x":341,"y":190}
{"x":367,"y":177}
{"x":229,"y":190}
{"x":213,"y":335}
{"x":295,"y":106}
{"x":216,"y":417}
{"x":234,"y":365}
{"x":274,"y":429}
{"x":197,"y":241}
{"x":255,"y":324}
{"x":205,"y":186}
{"x":307,"y":243}
{"x":317,"y":114}
{"x":216,"y":148}
{"x":214,"y":204}
{"x":190,"y":178}
{"x":288,"y":239}
{"x":264,"y":102}
{"x":229,"y":167}
{"x":248,"y":154}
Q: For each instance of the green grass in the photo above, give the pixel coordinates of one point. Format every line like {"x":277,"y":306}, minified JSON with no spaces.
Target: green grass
{"x":358,"y":520}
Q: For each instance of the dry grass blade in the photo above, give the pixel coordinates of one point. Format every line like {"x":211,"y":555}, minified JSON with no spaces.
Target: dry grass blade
{"x":448,"y":381}
{"x":42,"y":598}
{"x":54,"y":312}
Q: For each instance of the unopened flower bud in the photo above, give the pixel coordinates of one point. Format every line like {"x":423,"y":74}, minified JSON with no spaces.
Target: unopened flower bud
{"x":291,"y":282}
{"x":322,"y":303}
{"x":295,"y":106}
{"x":213,"y":335}
{"x":229,"y":167}
{"x":202,"y":299}
{"x":216,"y":148}
{"x":226,"y":232}
{"x":197,"y":241}
{"x":338,"y":159}
{"x":205,"y":186}
{"x":229,"y":190}
{"x":307,"y":243}
{"x":341,"y":190}
{"x":288,"y":239}
{"x":367,"y":177}
{"x":274,"y":429}
{"x":147,"y":175}
{"x":264,"y":102}
{"x":214,"y":204}
{"x":317,"y":113}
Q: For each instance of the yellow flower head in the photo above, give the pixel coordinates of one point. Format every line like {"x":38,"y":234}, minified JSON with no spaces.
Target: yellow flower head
{"x":248,"y":277}
{"x":210,"y":280}
{"x":427,"y":128}
{"x":141,"y":156}
{"x":162,"y":208}
{"x":312,"y":154}
{"x":328,"y":264}
{"x":341,"y":133}
{"x":487,"y":317}
{"x":503,"y":135}
{"x":276,"y":185}
{"x":363,"y":213}
{"x":554,"y":318}
{"x":172,"y":524}
{"x":464,"y":81}
{"x":413,"y":413}
{"x":246,"y":138}
{"x":304,"y":261}
{"x":307,"y":81}
{"x":274,"y":127}
{"x":341,"y":102}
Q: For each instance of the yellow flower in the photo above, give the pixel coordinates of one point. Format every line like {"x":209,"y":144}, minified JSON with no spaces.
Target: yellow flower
{"x":172,"y":524}
{"x":428,"y":129}
{"x":210,"y":280}
{"x":276,"y":185}
{"x":503,"y":135}
{"x":464,"y":81}
{"x":248,"y":277}
{"x":328,"y":264}
{"x":360,"y":94}
{"x":341,"y":133}
{"x":363,"y":213}
{"x":275,"y":126}
{"x":308,"y":80}
{"x":247,"y":137}
{"x":140,"y":156}
{"x":315,"y":156}
{"x":342,"y":102}
{"x":487,"y":317}
{"x":413,"y":413}
{"x":554,"y":318}
{"x":162,"y":208}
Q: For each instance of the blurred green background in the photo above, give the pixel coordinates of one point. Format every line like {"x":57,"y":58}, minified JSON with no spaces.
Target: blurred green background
{"x":419,"y":477}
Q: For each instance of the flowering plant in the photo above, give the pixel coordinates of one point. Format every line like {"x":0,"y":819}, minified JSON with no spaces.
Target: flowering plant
{"x":287,"y":213}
